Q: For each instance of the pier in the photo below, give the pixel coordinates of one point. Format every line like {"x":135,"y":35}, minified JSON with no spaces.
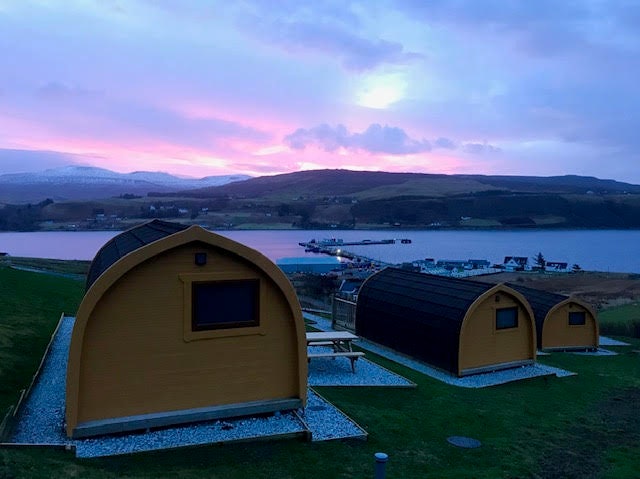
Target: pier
{"x":317,"y":246}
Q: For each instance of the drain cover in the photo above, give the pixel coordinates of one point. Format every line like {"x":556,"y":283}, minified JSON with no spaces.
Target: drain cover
{"x":466,"y":442}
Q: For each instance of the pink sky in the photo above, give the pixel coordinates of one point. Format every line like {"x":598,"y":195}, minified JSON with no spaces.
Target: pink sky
{"x":210,"y":88}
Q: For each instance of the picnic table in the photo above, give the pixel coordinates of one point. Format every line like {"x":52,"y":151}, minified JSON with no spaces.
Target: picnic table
{"x":341,"y":343}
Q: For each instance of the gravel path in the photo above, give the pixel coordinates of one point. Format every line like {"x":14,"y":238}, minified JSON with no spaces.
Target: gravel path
{"x":41,"y":418}
{"x":605,"y":341}
{"x":327,"y":422}
{"x":597,"y":352}
{"x":473,"y":381}
{"x":337,"y":372}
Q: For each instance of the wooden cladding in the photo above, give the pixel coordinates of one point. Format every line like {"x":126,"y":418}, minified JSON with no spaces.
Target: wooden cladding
{"x":158,"y":336}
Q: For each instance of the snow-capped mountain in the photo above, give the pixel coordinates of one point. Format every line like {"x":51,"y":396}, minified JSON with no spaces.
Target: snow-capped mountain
{"x":87,"y":182}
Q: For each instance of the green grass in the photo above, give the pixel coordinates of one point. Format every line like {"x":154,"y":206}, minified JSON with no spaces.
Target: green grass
{"x":30,"y":307}
{"x":621,"y":320}
{"x":584,"y":426}
{"x":73,"y":267}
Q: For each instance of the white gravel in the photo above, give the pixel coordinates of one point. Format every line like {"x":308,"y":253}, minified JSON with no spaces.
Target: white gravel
{"x":605,"y":341}
{"x":473,"y":381}
{"x":41,"y":418}
{"x":597,"y":352}
{"x":337,"y":372}
{"x":327,"y":422}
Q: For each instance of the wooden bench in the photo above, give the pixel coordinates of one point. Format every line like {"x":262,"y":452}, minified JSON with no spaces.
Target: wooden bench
{"x":321,"y":343}
{"x":350,"y":355}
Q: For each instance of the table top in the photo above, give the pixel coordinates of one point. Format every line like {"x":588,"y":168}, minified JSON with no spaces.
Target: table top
{"x":331,"y":336}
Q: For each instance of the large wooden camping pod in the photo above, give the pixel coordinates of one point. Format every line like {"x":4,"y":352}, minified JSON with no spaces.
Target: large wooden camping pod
{"x":462,"y":326}
{"x":562,"y":322}
{"x":179,"y":324}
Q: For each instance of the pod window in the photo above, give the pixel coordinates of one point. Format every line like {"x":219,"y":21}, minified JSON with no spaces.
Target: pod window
{"x":506,"y":318}
{"x":225,"y":304}
{"x":577,"y":318}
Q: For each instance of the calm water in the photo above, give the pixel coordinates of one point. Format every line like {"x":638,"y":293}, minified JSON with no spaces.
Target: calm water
{"x":600,"y":250}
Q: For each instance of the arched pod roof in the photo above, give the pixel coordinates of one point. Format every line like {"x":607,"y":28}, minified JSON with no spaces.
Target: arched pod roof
{"x":425,"y":316}
{"x":129,"y":241}
{"x":435,"y":298}
{"x":544,"y":302}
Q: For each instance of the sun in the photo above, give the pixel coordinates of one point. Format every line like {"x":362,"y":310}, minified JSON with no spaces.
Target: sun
{"x":381,"y":91}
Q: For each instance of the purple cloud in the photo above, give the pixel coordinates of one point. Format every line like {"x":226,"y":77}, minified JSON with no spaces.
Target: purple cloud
{"x":445,"y":143}
{"x":480,"y":148}
{"x":375,"y":139}
{"x":336,"y":33}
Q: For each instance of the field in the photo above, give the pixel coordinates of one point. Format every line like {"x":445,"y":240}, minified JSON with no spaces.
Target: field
{"x":583,"y":426}
{"x":602,"y":290}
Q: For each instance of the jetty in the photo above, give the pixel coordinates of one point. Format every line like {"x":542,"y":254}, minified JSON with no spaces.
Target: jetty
{"x":318,"y":246}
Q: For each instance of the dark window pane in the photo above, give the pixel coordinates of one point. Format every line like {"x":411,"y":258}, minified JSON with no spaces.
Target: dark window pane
{"x":225,"y":304}
{"x":577,"y":318}
{"x":506,"y":318}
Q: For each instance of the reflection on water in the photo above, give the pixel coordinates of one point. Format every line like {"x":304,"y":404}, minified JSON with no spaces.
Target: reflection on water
{"x":601,"y":250}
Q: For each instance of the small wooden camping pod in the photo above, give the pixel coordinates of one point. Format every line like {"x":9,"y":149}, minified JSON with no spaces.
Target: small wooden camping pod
{"x":562,"y":322}
{"x":179,"y":324}
{"x":462,"y":326}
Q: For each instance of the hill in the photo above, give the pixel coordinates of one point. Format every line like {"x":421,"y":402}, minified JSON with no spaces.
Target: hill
{"x":343,"y":198}
{"x":88,"y":183}
{"x":374,"y":184}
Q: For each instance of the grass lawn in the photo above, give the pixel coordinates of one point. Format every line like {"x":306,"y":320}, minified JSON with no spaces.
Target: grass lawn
{"x":622,"y":320}
{"x":58,"y":266}
{"x":584,"y":426}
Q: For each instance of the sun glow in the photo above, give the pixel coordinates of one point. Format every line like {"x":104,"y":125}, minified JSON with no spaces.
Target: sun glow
{"x":381,"y":91}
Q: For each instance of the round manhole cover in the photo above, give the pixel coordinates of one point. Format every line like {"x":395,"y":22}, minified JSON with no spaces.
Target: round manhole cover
{"x":317,"y":408}
{"x":466,"y":442}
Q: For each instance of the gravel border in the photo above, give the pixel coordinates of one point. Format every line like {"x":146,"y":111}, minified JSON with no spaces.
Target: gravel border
{"x":319,"y":413}
{"x":597,"y":352}
{"x":606,"y":341}
{"x":337,"y":372}
{"x":473,"y":381}
{"x":41,"y":418}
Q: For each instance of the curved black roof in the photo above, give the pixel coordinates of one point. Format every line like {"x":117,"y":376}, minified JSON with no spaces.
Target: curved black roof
{"x":416,"y":313}
{"x":432,"y":297}
{"x":541,"y":303}
{"x":129,"y":241}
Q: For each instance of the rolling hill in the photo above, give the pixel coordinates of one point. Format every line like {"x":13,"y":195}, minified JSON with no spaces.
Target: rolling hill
{"x":89,"y":183}
{"x":377,"y":185}
{"x":343,"y":198}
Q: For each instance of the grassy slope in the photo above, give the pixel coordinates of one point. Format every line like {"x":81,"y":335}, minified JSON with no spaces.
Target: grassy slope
{"x":582,"y":426}
{"x":622,"y":320}
{"x":30,"y":307}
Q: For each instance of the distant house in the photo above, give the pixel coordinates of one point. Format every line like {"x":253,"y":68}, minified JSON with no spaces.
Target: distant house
{"x":516,"y":263}
{"x":479,"y":263}
{"x":179,"y":324}
{"x":461,"y":326}
{"x":562,"y":322}
{"x":556,"y":266}
{"x":450,"y":264}
{"x":460,"y":264}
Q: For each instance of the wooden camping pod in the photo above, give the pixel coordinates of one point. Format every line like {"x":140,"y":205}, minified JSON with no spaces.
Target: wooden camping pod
{"x":462,"y":326}
{"x":181,"y":324}
{"x":562,"y":322}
